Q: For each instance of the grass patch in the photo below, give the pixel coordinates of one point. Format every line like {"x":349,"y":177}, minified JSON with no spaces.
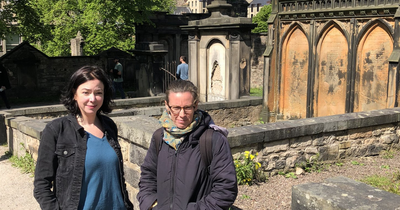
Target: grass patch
{"x":388,"y":183}
{"x":388,"y":154}
{"x":256,"y":91}
{"x":25,"y":163}
{"x":314,"y":164}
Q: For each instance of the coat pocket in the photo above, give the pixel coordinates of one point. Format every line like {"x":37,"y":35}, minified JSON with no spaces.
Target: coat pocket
{"x":66,"y":157}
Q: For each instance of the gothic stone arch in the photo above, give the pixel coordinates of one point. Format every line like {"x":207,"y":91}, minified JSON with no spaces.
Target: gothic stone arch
{"x":295,"y":59}
{"x":331,"y":74}
{"x":372,"y":79}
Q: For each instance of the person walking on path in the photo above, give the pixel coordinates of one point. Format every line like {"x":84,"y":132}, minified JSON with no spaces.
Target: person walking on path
{"x":118,"y":79}
{"x":173,"y":174}
{"x":4,"y":85}
{"x":80,"y":163}
{"x":183,"y":69}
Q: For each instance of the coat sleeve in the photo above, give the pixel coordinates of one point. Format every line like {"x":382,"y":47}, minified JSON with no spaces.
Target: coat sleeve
{"x":45,"y":172}
{"x":223,"y":175}
{"x":148,"y":178}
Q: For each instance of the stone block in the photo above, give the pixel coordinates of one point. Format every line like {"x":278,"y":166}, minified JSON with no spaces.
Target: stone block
{"x":389,"y":138}
{"x":303,"y":141}
{"x":344,"y":145}
{"x":330,"y":152}
{"x":137,"y":154}
{"x":373,"y":149}
{"x":341,"y":193}
{"x":132,"y":174}
{"x":245,"y":135}
{"x":276,"y":146}
{"x":311,"y":150}
{"x":137,"y":129}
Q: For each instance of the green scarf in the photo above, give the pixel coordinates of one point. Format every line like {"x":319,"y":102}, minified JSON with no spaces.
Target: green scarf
{"x":174,"y":135}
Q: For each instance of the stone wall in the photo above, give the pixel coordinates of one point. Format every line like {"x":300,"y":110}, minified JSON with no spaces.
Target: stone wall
{"x":259,"y":44}
{"x":280,"y":145}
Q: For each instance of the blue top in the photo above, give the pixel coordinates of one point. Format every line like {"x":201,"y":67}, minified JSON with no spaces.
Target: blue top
{"x":101,"y":188}
{"x":183,"y":69}
{"x":118,"y":67}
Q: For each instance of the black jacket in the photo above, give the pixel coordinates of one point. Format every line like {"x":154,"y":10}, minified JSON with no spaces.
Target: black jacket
{"x":179,"y":179}
{"x":61,"y":161}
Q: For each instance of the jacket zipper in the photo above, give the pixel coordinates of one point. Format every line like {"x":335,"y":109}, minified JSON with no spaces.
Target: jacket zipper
{"x":173,"y":179}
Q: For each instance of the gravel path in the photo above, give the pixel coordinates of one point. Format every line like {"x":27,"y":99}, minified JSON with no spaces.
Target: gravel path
{"x":16,"y":188}
{"x":276,"y":193}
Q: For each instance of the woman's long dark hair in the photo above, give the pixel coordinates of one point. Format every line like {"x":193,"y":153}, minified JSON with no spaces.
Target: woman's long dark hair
{"x":84,"y":74}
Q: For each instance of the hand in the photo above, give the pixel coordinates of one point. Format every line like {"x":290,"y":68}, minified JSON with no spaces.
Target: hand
{"x":3,"y":87}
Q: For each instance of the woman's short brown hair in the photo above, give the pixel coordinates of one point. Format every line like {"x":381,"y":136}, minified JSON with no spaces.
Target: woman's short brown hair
{"x":181,"y":86}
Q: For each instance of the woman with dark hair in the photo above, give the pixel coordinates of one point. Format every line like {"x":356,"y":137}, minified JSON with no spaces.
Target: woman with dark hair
{"x":80,"y":163}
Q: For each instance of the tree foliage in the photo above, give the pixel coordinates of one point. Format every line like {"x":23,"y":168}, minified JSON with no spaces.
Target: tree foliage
{"x":51,"y":24}
{"x":261,"y":19}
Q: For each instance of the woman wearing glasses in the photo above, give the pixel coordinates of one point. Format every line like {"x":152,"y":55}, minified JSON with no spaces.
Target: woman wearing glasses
{"x":173,"y":175}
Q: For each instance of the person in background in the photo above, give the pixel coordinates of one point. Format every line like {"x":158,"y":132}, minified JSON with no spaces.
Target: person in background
{"x":118,"y":79}
{"x":183,"y":69}
{"x":4,"y":85}
{"x":173,"y":175}
{"x":80,"y":164}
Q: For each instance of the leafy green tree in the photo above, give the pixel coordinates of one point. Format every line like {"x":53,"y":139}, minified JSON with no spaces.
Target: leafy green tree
{"x":51,"y":24}
{"x":261,"y":19}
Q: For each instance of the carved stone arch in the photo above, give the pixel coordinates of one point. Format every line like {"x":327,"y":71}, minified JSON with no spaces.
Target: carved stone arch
{"x":331,"y":74}
{"x":216,"y":70}
{"x":214,"y":40}
{"x":328,"y":26}
{"x":291,"y":28}
{"x":374,"y":86}
{"x":294,"y":74}
{"x":372,"y":23}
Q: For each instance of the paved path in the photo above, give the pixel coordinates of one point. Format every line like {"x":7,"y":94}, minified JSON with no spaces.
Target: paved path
{"x":16,"y":188}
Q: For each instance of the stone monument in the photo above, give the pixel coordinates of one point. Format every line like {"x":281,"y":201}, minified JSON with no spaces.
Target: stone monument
{"x":77,"y":45}
{"x":219,"y":53}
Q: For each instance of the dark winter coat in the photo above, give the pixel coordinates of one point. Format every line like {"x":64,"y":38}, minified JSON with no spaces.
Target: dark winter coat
{"x":4,"y":81}
{"x":179,"y":179}
{"x":61,"y":162}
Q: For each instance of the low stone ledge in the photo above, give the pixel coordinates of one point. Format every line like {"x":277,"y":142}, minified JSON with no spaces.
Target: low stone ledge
{"x":342,"y":193}
{"x":313,"y":126}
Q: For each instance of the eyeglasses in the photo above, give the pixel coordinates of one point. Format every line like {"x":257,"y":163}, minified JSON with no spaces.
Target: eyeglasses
{"x":177,"y":109}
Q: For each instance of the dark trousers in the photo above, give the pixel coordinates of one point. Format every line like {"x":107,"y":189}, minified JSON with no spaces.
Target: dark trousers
{"x":118,"y":87}
{"x":4,"y":97}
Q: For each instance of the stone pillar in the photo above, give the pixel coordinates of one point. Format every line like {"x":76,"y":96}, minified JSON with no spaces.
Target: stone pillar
{"x":193,"y":58}
{"x":178,"y":52}
{"x":234,"y":68}
{"x":77,"y":45}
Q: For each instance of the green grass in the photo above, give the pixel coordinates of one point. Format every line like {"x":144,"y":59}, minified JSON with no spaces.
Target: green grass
{"x":25,"y":163}
{"x":388,"y":183}
{"x":388,"y":154}
{"x":256,"y":91}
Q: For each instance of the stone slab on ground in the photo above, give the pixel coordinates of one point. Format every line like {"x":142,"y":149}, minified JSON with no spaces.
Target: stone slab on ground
{"x":16,"y":188}
{"x":342,"y":193}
